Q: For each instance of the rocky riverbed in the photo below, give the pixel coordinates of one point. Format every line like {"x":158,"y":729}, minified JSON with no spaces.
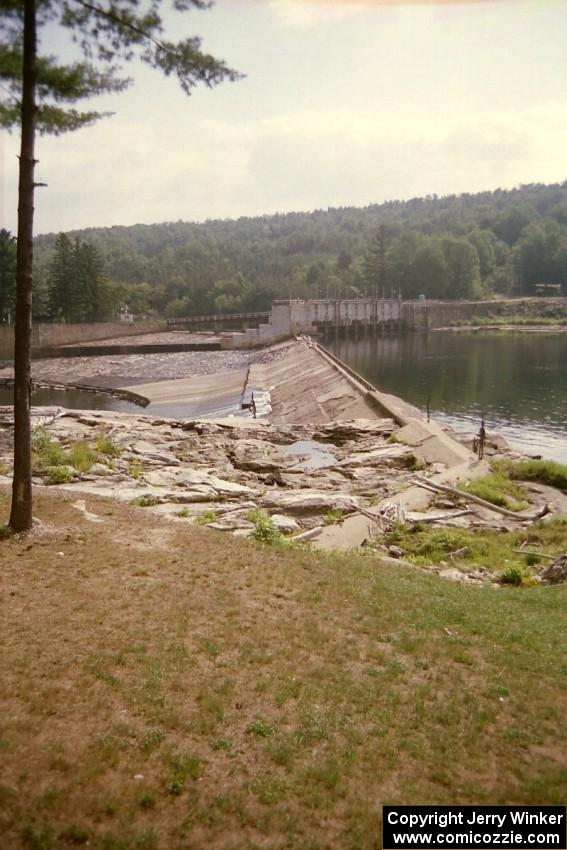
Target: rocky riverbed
{"x":327,"y":463}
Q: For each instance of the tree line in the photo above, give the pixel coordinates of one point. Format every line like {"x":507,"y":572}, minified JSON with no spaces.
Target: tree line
{"x":465,"y":246}
{"x":459,"y":246}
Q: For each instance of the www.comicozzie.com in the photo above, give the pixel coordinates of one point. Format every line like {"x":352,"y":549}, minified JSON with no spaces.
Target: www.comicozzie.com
{"x":480,"y":827}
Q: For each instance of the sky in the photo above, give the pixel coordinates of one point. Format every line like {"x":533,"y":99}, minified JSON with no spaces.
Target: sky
{"x":344,"y":103}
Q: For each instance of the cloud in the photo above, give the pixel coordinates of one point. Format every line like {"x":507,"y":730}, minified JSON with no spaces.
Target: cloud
{"x":123,"y":172}
{"x":308,"y":13}
{"x":299,"y":14}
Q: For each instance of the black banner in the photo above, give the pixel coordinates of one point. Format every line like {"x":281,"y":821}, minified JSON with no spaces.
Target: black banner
{"x":478,"y":827}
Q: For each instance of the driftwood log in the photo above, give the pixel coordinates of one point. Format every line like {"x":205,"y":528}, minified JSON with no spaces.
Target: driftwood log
{"x":428,"y":484}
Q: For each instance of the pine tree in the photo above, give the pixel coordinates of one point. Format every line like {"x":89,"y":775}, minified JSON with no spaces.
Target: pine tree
{"x":7,"y":275}
{"x":62,"y":280}
{"x":41,"y":94}
{"x":374,"y":269}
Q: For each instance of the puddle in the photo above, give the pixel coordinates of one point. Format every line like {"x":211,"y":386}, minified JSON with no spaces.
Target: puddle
{"x":316,"y":455}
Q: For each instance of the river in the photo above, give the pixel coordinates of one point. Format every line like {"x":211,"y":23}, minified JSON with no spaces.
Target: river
{"x":516,"y":380}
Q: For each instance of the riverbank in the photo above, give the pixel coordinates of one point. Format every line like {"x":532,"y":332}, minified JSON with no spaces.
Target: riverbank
{"x":329,"y":458}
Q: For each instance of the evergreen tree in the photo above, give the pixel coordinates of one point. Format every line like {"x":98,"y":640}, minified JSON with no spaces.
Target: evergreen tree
{"x":374,"y":269}
{"x":94,"y":293}
{"x":7,"y":276}
{"x":62,"y":281}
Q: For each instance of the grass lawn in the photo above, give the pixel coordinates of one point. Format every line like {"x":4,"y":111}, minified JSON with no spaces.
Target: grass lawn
{"x":166,"y":687}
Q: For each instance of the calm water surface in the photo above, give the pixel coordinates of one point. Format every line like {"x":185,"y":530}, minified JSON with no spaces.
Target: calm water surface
{"x":74,"y":400}
{"x":518,"y":381}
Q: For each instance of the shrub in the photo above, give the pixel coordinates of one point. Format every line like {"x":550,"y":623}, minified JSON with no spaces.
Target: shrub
{"x":58,"y":475}
{"x":105,"y":446}
{"x":46,"y":450}
{"x":206,"y":517}
{"x":517,"y":576}
{"x":82,"y":457}
{"x":264,"y":529}
{"x":146,"y":501}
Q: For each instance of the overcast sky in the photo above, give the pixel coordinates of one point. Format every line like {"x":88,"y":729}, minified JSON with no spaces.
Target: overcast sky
{"x":345,"y":102}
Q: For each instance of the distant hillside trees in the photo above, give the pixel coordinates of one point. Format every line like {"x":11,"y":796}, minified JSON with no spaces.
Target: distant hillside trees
{"x":460,"y":246}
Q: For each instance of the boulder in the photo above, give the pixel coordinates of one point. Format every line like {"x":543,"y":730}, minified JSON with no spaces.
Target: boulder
{"x":309,"y":501}
{"x":285,"y":523}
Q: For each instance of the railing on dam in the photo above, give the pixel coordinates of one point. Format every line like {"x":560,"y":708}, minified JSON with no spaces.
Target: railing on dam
{"x":218,"y":319}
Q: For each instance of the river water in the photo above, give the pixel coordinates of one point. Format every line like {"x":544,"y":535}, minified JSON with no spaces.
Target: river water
{"x":517,"y":380}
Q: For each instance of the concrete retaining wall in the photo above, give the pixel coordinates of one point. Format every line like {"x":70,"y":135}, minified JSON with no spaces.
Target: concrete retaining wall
{"x":47,"y":335}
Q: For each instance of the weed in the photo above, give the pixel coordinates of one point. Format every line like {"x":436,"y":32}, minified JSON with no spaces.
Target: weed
{"x":136,"y":469}
{"x":184,"y":513}
{"x":183,"y":768}
{"x":206,"y":517}
{"x":210,"y":647}
{"x":105,"y":446}
{"x":46,"y":450}
{"x":148,"y":500}
{"x":264,"y":529}
{"x":270,"y":790}
{"x":58,"y":475}
{"x":151,"y":741}
{"x":5,"y":532}
{"x":82,"y":457}
{"x":221,"y":744}
{"x":333,"y":516}
{"x":147,"y":800}
{"x":38,"y":837}
{"x":291,"y":689}
{"x":260,"y":729}
{"x":411,"y":462}
{"x":74,"y":835}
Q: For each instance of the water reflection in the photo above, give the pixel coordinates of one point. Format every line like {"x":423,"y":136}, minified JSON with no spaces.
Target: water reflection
{"x":516,"y":380}
{"x":74,"y":400}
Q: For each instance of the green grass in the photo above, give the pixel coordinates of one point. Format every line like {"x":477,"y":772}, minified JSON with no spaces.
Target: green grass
{"x":205,"y":518}
{"x":497,"y":488}
{"x":541,"y":471}
{"x":492,"y":549}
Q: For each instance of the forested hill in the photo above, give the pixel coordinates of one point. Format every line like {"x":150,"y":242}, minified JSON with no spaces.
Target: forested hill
{"x":452,"y":247}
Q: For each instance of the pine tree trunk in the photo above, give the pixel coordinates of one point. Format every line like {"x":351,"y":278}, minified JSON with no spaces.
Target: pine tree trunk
{"x":21,"y":513}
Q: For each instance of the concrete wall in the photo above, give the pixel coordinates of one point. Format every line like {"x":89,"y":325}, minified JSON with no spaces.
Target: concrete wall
{"x":45,"y":336}
{"x":309,"y":316}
